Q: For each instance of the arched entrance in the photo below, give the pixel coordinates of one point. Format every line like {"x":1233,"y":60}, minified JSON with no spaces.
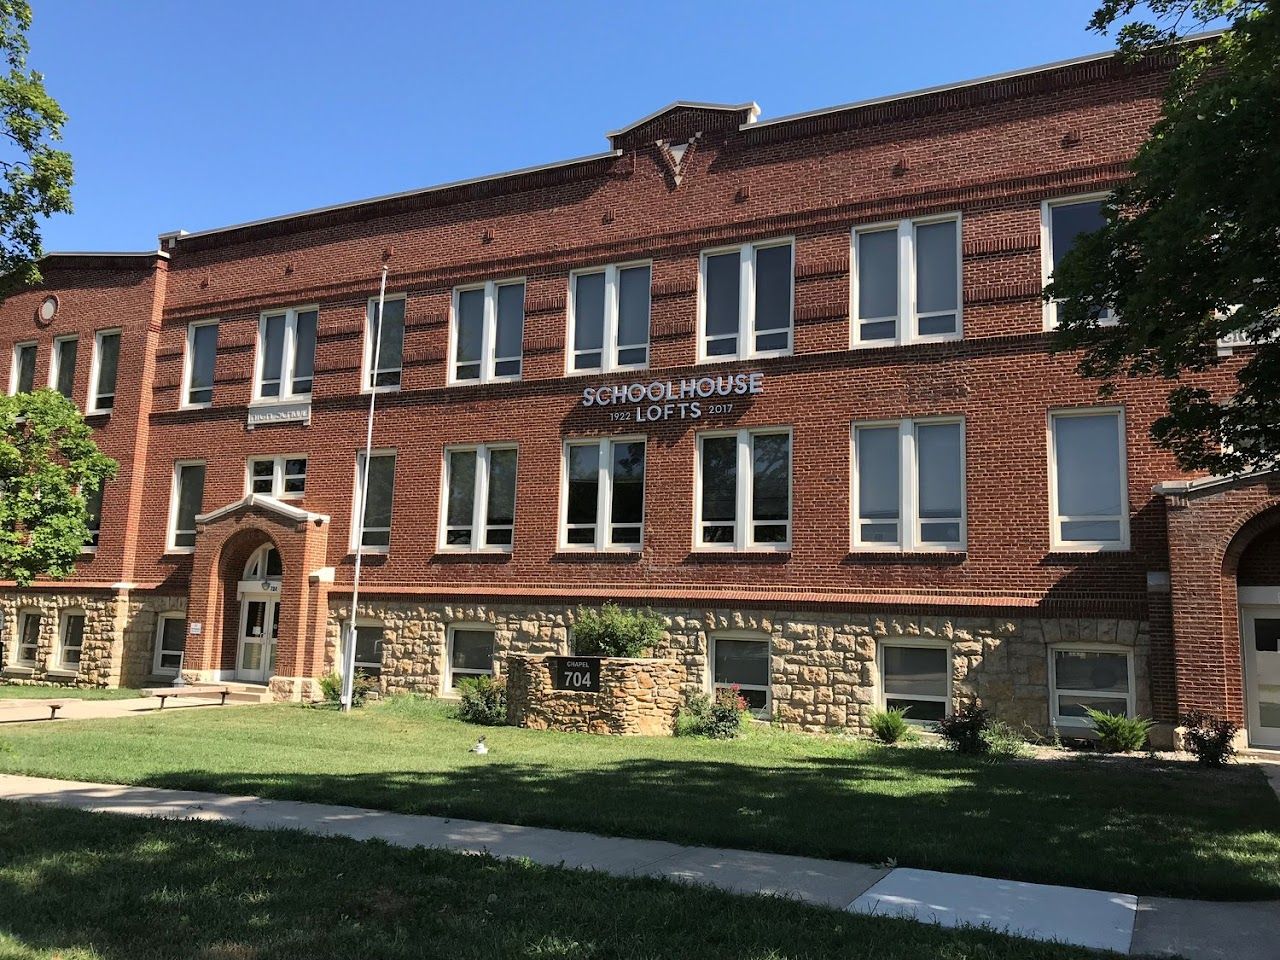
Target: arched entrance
{"x":1258,"y":589}
{"x":259,"y":631}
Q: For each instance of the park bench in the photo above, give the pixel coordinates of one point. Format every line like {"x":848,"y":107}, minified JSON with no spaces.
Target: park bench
{"x":54,"y":707}
{"x":167,"y":692}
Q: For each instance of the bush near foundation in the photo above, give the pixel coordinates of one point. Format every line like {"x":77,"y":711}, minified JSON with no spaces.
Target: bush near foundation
{"x":1118,"y":733}
{"x":721,"y":718}
{"x":331,"y":689}
{"x":890,"y":725}
{"x":964,"y":729}
{"x":614,"y":632}
{"x":484,"y":701}
{"x":1210,"y":738}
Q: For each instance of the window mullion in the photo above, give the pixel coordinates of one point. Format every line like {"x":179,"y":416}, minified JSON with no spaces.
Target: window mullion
{"x":609,"y":356}
{"x":747,"y":301}
{"x":746,"y":481}
{"x":479,"y":507}
{"x":488,"y":331}
{"x":604,"y":484}
{"x":287,"y":355}
{"x":906,"y":282}
{"x":907,"y":486}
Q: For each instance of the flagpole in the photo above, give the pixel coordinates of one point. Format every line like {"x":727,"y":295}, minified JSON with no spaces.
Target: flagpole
{"x":349,"y":647}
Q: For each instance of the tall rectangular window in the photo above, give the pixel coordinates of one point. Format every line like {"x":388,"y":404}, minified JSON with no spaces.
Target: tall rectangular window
{"x":1083,"y":678}
{"x":609,"y":318}
{"x":1062,"y":222}
{"x":906,"y":282}
{"x":22,"y":374}
{"x":62,"y":366}
{"x":286,"y":354}
{"x":1088,"y":488}
{"x":470,"y":654}
{"x":93,"y":506}
{"x":187,"y":501}
{"x":487,"y":335}
{"x":71,"y":639}
{"x":916,"y":679}
{"x":928,"y":511}
{"x":745,"y":307}
{"x":106,"y":363}
{"x":28,"y":637}
{"x":284,"y":478}
{"x":479,"y":498}
{"x":201,"y":359}
{"x":171,"y":641}
{"x":603,"y":498}
{"x":742,"y":662}
{"x":743,"y":497}
{"x":368,"y":660}
{"x":384,"y":344}
{"x":374,"y":535}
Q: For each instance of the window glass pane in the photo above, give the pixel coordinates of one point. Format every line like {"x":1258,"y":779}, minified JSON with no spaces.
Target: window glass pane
{"x":66,"y":367}
{"x":1266,"y":635}
{"x":937,"y":264}
{"x":1074,"y":705}
{"x":773,"y":291}
{"x":391,"y":343}
{"x":633,"y":310}
{"x":1087,"y":455}
{"x":462,"y":493}
{"x":510,"y":322}
{"x":879,"y":470}
{"x":1091,"y":672}
{"x":877,"y":278}
{"x":261,"y":476}
{"x":93,"y":507}
{"x":469,"y":334}
{"x":173,"y":640}
{"x":502,"y":488}
{"x":770,"y":489}
{"x":472,"y":650}
{"x":204,"y":354}
{"x":377,"y":507}
{"x":72,"y":638}
{"x":742,"y":661}
{"x":295,"y":475}
{"x":304,"y":352}
{"x":29,"y":639}
{"x":108,"y":360}
{"x":369,"y":648}
{"x":939,"y":470}
{"x":719,"y":483}
{"x":588,"y":317}
{"x":26,"y":369}
{"x":190,"y":499}
{"x":1068,"y":220}
{"x":916,"y":671}
{"x":918,"y":710}
{"x":272,"y":354}
{"x":274,"y":565}
{"x":584,"y":483}
{"x":722,"y":293}
{"x":628,"y":483}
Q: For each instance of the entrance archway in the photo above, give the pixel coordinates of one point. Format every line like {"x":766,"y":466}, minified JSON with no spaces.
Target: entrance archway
{"x":1258,"y":588}
{"x":258,"y":636}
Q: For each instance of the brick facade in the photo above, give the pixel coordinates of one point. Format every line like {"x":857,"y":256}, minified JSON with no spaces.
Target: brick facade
{"x":991,"y":152}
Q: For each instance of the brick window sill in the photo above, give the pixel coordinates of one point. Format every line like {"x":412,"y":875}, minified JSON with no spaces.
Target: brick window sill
{"x":594,"y":556}
{"x":910,"y":557}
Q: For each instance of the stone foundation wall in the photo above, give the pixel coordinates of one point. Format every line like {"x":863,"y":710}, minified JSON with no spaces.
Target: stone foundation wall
{"x":636,"y":698}
{"x":137,"y":659}
{"x":824,"y":668}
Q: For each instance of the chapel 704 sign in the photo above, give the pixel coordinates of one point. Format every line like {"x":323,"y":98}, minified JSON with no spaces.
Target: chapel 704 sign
{"x":689,"y":399}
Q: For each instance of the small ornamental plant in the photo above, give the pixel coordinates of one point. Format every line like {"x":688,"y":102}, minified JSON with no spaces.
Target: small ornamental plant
{"x":721,"y":717}
{"x":614,"y":632}
{"x":1118,"y":733}
{"x":331,"y":689}
{"x":1210,"y":738}
{"x":890,"y":725}
{"x":964,"y":729}
{"x":484,"y":701}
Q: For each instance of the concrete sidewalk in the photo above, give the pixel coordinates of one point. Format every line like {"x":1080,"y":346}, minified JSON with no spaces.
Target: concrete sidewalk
{"x":1088,"y":918}
{"x":24,"y":710}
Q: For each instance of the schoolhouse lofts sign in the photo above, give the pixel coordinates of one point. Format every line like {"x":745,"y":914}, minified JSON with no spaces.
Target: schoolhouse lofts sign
{"x":688,"y":399}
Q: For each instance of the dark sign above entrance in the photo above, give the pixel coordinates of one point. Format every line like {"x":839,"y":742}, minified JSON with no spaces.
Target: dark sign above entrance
{"x":575,"y":673}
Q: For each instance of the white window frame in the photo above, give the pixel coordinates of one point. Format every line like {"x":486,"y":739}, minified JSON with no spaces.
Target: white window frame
{"x":1055,"y":519}
{"x":171,"y":536}
{"x":742,"y":541}
{"x":366,"y":364}
{"x":909,"y":521}
{"x":1129,"y":699}
{"x":90,"y":546}
{"x":604,"y":500}
{"x":13,"y":365}
{"x":16,"y":658}
{"x":55,"y":362}
{"x":95,"y":371}
{"x":64,"y":621}
{"x":480,"y":503}
{"x":188,"y":364}
{"x":907,"y":322}
{"x":278,"y":474}
{"x":1050,"y":307}
{"x":449,"y":672}
{"x":368,"y":624}
{"x":288,"y":355}
{"x":488,"y":333}
{"x":714,"y":637}
{"x":609,"y":348}
{"x":356,"y":519}
{"x":156,"y":668}
{"x":883,"y":696}
{"x":746,"y":301}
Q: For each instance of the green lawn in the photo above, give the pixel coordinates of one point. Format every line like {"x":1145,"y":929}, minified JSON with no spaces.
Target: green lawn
{"x":13,"y":691}
{"x":77,"y":885}
{"x":1115,"y":826}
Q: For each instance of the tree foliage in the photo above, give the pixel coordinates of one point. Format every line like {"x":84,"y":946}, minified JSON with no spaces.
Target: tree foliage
{"x":35,"y":178}
{"x":1190,"y":253}
{"x":49,"y":466}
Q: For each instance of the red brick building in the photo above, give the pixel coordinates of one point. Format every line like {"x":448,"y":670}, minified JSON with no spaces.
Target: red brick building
{"x":787,"y":382}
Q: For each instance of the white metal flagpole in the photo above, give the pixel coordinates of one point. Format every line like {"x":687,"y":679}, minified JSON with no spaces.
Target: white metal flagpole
{"x":349,"y":646}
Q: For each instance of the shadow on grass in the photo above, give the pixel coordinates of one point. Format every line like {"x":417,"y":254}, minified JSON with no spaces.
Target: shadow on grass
{"x":1177,"y":833}
{"x":76,"y":885}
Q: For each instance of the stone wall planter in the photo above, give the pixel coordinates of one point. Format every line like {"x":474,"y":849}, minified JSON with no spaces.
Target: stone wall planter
{"x":636,"y":697}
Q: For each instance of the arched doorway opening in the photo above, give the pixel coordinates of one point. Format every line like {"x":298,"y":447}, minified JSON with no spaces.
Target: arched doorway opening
{"x":1258,"y":589}
{"x":259,"y":622}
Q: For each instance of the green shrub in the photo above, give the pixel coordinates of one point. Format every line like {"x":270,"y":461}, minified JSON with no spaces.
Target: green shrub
{"x":1118,"y":733}
{"x":484,"y":701}
{"x":614,"y":632}
{"x":331,"y":689}
{"x":1211,"y":739}
{"x":721,"y":718}
{"x":890,"y":724}
{"x":964,"y":729}
{"x":1004,"y":741}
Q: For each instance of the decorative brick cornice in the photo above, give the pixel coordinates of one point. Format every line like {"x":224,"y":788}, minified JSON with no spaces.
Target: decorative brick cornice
{"x":1001,"y":292}
{"x":996,"y":246}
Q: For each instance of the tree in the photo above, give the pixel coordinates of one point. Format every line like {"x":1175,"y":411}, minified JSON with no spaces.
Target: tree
{"x":50,"y":469}
{"x":35,"y":179}
{"x":1190,"y":252}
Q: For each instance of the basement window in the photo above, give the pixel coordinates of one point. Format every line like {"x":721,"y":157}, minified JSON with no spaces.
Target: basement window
{"x":1081,"y":677}
{"x":470,"y":654}
{"x":916,"y":678}
{"x":71,"y":639}
{"x":742,"y":662}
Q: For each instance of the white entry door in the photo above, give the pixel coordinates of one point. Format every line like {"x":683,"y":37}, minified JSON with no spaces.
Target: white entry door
{"x":1260,"y":627}
{"x":259,"y":629}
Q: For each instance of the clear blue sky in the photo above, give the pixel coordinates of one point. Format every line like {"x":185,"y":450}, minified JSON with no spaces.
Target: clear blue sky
{"x":197,"y":115}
